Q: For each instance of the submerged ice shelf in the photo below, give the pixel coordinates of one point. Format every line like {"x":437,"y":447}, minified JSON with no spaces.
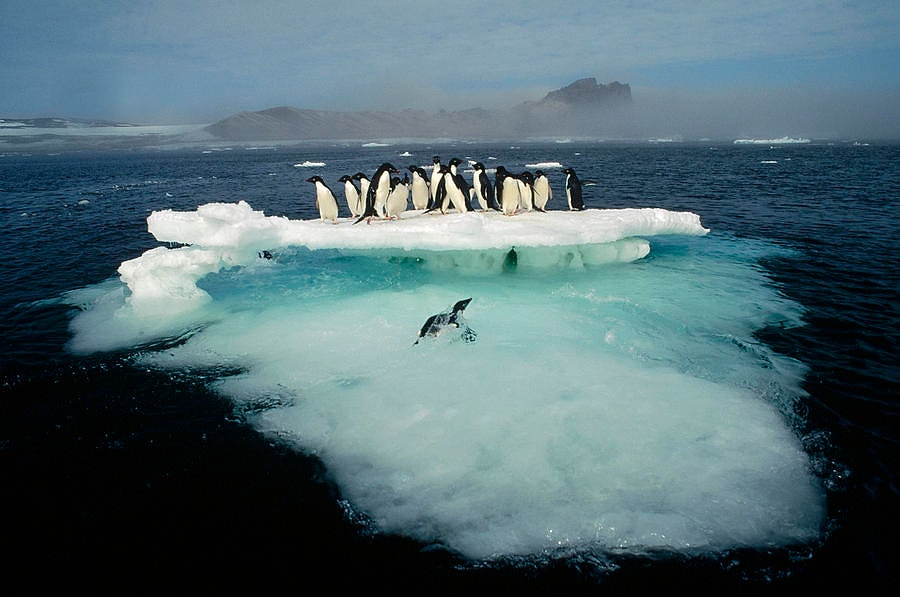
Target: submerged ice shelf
{"x":616,"y":409}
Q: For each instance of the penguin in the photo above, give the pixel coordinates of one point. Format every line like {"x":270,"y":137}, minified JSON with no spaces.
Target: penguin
{"x":525,"y":181}
{"x":573,"y":190}
{"x":451,"y":317}
{"x":542,"y":191}
{"x":398,"y":198}
{"x":352,"y":194}
{"x":507,"y":189}
{"x":445,"y":189}
{"x":465,"y":205}
{"x":378,"y":191}
{"x":435,"y":177}
{"x":421,"y":192}
{"x":325,"y":201}
{"x":363,"y":190}
{"x":484,"y":192}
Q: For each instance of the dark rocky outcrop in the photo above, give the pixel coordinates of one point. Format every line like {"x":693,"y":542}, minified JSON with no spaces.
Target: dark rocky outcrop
{"x":587,"y":92}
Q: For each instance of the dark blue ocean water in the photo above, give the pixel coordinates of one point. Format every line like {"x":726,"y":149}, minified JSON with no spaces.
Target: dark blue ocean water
{"x":111,"y":468}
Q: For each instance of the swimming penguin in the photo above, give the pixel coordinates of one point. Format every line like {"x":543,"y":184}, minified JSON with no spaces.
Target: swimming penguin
{"x":351,"y":192}
{"x":542,"y":191}
{"x":450,"y":318}
{"x":573,"y":190}
{"x":325,"y":201}
{"x":398,"y":198}
{"x":419,"y":188}
{"x":462,"y":185}
{"x":379,"y":189}
{"x":525,"y":181}
{"x":507,"y":189}
{"x":484,"y":192}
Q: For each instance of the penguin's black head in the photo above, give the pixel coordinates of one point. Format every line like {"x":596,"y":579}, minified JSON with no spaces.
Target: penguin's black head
{"x":478,"y":166}
{"x":389,"y":167}
{"x":360,"y":176}
{"x":344,"y":178}
{"x":568,"y":171}
{"x":455,"y":161}
{"x":527,"y":177}
{"x":436,"y":159}
{"x":314,"y":179}
{"x":538,"y":173}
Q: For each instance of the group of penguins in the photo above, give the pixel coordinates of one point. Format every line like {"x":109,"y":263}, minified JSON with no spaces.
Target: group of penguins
{"x":386,"y":196}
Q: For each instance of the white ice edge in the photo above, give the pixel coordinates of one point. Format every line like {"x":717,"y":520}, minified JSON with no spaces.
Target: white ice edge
{"x":237,"y":224}
{"x":223,"y":235}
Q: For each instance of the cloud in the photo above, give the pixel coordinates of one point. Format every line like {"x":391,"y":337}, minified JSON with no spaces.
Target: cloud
{"x":169,"y":57}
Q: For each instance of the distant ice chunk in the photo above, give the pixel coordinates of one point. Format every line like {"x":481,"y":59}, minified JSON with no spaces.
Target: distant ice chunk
{"x":544,"y":165}
{"x":778,"y":141}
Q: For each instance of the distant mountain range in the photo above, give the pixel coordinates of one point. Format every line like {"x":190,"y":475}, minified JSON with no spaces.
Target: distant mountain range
{"x":584,"y":107}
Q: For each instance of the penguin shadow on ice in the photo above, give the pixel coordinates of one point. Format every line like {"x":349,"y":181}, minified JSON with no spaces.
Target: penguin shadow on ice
{"x":448,"y":321}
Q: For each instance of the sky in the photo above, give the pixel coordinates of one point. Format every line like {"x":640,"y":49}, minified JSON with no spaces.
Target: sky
{"x":796,"y":67}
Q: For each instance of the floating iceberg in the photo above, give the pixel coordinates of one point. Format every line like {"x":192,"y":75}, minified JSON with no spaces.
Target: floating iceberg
{"x":222,"y":235}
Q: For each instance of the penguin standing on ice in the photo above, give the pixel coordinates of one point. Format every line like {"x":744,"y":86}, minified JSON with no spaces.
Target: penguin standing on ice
{"x":573,"y":190}
{"x":525,"y":181}
{"x":507,"y":189}
{"x":398,"y":198}
{"x":351,"y":192}
{"x":419,"y":188}
{"x":484,"y":192}
{"x":363,"y":190}
{"x":542,"y":191}
{"x":444,"y":188}
{"x":325,"y":201}
{"x":379,"y":189}
{"x":462,"y":185}
{"x":436,"y":176}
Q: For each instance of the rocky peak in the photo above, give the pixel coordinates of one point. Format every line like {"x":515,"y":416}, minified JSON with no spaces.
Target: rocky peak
{"x":587,"y":92}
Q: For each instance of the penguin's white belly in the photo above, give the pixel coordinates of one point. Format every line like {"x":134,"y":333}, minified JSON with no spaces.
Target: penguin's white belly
{"x":397,"y":201}
{"x":541,"y":194}
{"x":328,"y":208}
{"x":510,"y":196}
{"x":352,"y":199}
{"x":420,"y":194}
